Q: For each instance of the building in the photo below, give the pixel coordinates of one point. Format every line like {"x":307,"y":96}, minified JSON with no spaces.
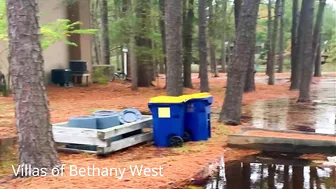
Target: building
{"x":58,"y":55}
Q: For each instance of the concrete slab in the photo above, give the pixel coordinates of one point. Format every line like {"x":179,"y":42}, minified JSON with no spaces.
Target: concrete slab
{"x":283,"y":141}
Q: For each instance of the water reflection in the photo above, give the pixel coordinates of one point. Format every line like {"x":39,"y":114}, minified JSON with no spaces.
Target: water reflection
{"x":285,"y":114}
{"x":253,"y":175}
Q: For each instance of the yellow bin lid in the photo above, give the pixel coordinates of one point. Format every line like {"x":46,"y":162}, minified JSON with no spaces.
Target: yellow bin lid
{"x":167,"y":99}
{"x":196,"y":95}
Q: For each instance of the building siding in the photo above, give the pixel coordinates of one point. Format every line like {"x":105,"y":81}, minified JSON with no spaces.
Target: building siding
{"x":57,"y":55}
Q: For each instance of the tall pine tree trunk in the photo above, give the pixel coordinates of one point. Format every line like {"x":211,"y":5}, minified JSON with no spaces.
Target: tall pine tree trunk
{"x":237,"y":9}
{"x":163,"y":35}
{"x":269,"y":36}
{"x":212,"y":37}
{"x":250,"y":81}
{"x":173,"y":25}
{"x":223,"y":46}
{"x":36,"y":144}
{"x":273,"y":44}
{"x":202,"y":46}
{"x":294,"y":49}
{"x":132,"y":48}
{"x":105,"y":32}
{"x":187,"y":44}
{"x":281,"y":37}
{"x":316,"y":38}
{"x":306,"y":32}
{"x":143,"y":43}
{"x":245,"y":43}
{"x":318,"y":65}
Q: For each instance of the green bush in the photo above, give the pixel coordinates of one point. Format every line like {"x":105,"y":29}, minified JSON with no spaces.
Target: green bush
{"x":101,"y":75}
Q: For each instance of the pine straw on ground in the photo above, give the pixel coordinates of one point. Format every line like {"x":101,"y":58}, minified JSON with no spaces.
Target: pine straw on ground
{"x":77,"y":101}
{"x":179,"y":165}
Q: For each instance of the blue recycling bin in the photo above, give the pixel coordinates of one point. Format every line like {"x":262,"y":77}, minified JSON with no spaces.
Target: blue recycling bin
{"x":198,"y":116}
{"x":168,"y":120}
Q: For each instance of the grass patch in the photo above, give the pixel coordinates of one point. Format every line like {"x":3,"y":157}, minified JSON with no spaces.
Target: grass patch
{"x":101,"y":75}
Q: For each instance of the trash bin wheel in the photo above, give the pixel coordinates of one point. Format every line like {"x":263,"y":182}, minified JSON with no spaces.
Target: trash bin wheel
{"x":186,"y":137}
{"x":176,"y":141}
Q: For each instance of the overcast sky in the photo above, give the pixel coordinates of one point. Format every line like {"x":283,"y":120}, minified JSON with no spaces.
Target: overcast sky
{"x":333,"y":2}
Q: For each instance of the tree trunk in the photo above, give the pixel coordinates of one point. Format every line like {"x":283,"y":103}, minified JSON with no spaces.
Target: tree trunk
{"x":273,"y":44}
{"x":249,"y":81}
{"x":237,"y":9}
{"x":318,"y":66}
{"x":132,"y":49}
{"x":269,"y":36}
{"x":306,"y":32}
{"x":245,"y":43}
{"x":223,"y":56}
{"x":163,"y":35}
{"x":187,"y":44}
{"x":223,"y":46}
{"x":294,"y":49}
{"x":144,"y":44}
{"x":212,"y":49}
{"x":173,"y":25}
{"x":213,"y":59}
{"x":36,"y":145}
{"x":105,"y":32}
{"x":93,"y":19}
{"x":202,"y":46}
{"x":281,"y":37}
{"x":317,"y":36}
{"x":134,"y":65}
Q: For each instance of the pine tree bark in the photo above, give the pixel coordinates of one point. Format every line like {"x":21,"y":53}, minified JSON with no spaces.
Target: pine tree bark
{"x":223,"y":46}
{"x":294,"y":49}
{"x":173,"y":25}
{"x":163,"y":35}
{"x":36,"y":144}
{"x":143,"y":44}
{"x":245,"y":43}
{"x":187,"y":43}
{"x":93,"y":20}
{"x":223,"y":56}
{"x":202,"y":46}
{"x":306,"y":32}
{"x":318,"y":65}
{"x":281,"y":37}
{"x":105,"y":32}
{"x":269,"y":36}
{"x":273,"y":44}
{"x":250,"y":81}
{"x":237,"y":9}
{"x":132,"y":49}
{"x":212,"y":37}
{"x":316,"y":38}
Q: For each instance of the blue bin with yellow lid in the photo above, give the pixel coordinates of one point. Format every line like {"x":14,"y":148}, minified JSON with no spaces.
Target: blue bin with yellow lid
{"x":168,"y":120}
{"x":197,"y":120}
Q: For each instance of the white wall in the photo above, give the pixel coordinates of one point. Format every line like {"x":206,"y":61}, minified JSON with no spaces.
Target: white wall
{"x":56,"y":56}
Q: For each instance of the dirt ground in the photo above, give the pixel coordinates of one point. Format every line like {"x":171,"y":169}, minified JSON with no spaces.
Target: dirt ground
{"x":179,"y":165}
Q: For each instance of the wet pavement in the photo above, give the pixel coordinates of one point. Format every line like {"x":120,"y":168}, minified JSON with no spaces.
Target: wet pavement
{"x":286,"y":114}
{"x":265,"y":172}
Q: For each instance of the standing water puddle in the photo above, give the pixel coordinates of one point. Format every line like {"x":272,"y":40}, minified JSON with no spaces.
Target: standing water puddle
{"x":262,"y":172}
{"x":285,"y":114}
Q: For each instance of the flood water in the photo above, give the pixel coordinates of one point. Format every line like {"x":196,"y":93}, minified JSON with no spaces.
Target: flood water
{"x":268,"y":173}
{"x":286,"y":114}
